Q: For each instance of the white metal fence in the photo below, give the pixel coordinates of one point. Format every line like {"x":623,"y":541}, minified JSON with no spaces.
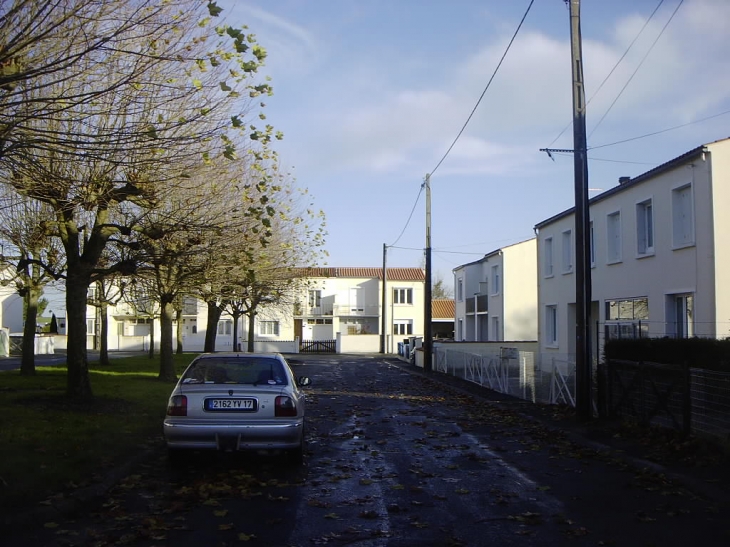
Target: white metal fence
{"x":550,"y":379}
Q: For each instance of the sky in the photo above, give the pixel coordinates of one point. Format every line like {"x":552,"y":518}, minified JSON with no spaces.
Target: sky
{"x":371,"y":94}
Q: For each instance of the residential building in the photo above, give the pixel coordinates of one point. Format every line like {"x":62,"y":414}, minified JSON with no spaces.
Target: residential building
{"x":442,"y":318}
{"x":658,"y":251}
{"x":349,"y":301}
{"x":496,"y":296}
{"x":331,"y":304}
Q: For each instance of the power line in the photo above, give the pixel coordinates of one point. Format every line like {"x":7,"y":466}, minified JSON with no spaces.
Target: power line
{"x":409,"y":217}
{"x":609,"y":160}
{"x":612,"y":70}
{"x":638,"y":67}
{"x":485,"y":89}
{"x":660,"y":131}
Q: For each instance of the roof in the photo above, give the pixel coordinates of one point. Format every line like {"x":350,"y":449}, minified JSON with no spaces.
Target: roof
{"x":490,"y":254}
{"x":442,"y":308}
{"x":394,"y":274}
{"x":664,"y":167}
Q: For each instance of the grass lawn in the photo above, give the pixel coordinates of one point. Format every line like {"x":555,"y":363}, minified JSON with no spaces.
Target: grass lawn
{"x":49,"y":444}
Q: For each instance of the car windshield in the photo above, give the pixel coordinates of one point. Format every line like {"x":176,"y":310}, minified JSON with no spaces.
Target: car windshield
{"x":236,"y":370}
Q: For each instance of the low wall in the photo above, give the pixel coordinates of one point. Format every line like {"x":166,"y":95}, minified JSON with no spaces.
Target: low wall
{"x":358,"y":343}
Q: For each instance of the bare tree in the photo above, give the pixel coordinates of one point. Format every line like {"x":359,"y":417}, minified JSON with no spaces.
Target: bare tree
{"x":35,"y":260}
{"x":149,"y":96}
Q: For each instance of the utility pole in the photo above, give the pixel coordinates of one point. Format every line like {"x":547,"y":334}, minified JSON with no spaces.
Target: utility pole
{"x":384,"y":303}
{"x":427,"y":334}
{"x":583,"y":361}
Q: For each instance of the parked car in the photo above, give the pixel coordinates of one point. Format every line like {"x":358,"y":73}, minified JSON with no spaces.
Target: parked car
{"x":237,"y":401}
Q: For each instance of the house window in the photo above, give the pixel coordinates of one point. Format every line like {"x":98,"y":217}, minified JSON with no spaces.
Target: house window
{"x":496,"y":334}
{"x":681,"y":316}
{"x":460,"y":329}
{"x":613,"y":233}
{"x":627,"y":318}
{"x":90,"y":326}
{"x":402,"y":296}
{"x":269,"y":328}
{"x":548,"y":261}
{"x":567,"y":251}
{"x":551,"y":325}
{"x":403,"y":327}
{"x":593,"y":245}
{"x":682,"y":216}
{"x":120,"y":328}
{"x":495,"y":279}
{"x":645,"y":227}
{"x":460,"y":289}
{"x":225,"y":327}
{"x":315,"y":298}
{"x":91,"y":293}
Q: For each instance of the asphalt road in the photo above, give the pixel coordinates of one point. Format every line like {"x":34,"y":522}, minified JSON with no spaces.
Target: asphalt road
{"x":395,"y":459}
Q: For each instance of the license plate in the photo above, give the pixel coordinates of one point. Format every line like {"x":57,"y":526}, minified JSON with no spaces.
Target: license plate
{"x":239,"y":405}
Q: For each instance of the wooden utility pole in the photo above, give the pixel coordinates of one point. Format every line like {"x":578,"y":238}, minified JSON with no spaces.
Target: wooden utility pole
{"x":384,"y":303}
{"x":427,"y":328}
{"x":583,"y":361}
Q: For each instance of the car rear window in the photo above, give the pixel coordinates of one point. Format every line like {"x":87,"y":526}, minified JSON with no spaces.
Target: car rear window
{"x":236,"y":370}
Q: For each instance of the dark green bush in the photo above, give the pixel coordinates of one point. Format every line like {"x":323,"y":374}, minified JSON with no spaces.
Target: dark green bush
{"x":696,"y":352}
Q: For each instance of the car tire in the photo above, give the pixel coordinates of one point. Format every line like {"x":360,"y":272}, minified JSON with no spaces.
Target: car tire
{"x":296,"y":455}
{"x":175,"y":457}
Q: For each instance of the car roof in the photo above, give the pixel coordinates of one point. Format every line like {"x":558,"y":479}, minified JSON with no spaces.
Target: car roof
{"x":241,"y":355}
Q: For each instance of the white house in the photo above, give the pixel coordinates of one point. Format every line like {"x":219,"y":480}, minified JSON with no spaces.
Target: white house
{"x":333,"y":304}
{"x":660,"y":258}
{"x":496,"y":296}
{"x":349,"y":301}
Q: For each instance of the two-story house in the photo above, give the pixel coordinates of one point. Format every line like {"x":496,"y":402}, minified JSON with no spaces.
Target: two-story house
{"x":330,"y":304}
{"x":659,"y":258}
{"x":496,"y":296}
{"x":349,"y":301}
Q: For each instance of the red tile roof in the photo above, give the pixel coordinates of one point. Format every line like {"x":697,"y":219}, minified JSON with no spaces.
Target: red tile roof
{"x":442,"y":308}
{"x":394,"y":274}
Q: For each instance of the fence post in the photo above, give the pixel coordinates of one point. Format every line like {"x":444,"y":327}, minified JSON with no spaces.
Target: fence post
{"x":687,"y":414}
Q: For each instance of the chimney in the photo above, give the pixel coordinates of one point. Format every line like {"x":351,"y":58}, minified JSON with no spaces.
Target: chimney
{"x":624,"y":180}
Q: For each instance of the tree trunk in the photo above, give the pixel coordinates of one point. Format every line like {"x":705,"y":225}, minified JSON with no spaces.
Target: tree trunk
{"x":78,"y":383}
{"x":104,"y":334}
{"x":211,"y":329}
{"x":167,"y":364}
{"x":179,"y":333}
{"x":236,"y":345}
{"x":251,"y":325}
{"x":151,"y":352}
{"x":27,"y":362}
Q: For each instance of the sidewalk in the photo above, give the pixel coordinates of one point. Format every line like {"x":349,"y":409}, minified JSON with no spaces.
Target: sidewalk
{"x":701,"y":467}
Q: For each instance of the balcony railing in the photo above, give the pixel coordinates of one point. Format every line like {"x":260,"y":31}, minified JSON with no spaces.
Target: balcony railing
{"x":481,"y":301}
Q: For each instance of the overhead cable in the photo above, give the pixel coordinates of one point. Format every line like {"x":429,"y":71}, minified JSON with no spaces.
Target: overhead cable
{"x":485,"y":89}
{"x":612,"y":70}
{"x":637,"y":68}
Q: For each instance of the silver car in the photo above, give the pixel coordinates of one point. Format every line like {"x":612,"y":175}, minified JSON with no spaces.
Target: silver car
{"x":237,"y":401}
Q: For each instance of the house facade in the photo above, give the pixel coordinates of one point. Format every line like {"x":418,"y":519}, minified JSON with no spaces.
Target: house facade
{"x":349,"y":302}
{"x":342,"y":304}
{"x":659,"y":259}
{"x":496,"y":296}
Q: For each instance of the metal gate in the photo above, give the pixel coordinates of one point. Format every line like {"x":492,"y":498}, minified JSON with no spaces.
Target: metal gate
{"x":318,"y":346}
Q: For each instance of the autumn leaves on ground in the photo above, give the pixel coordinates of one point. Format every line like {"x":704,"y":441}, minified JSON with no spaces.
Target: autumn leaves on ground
{"x":395,"y":458}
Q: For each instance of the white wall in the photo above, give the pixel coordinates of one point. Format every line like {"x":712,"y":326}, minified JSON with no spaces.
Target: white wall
{"x":666,"y":271}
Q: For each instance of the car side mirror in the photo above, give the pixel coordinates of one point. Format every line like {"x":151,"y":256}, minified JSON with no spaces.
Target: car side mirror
{"x":303,"y":381}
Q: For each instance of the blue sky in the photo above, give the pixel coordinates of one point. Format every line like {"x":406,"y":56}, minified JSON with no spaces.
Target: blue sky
{"x":370,"y":94}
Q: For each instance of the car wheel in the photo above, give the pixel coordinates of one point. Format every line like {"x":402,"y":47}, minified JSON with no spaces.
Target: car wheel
{"x":296,"y":455}
{"x":175,"y":456}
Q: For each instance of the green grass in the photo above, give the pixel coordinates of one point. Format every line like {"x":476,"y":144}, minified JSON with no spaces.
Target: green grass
{"x":50,"y":445}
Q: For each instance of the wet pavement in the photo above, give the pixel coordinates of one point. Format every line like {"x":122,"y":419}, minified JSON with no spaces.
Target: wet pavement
{"x":398,"y":457}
